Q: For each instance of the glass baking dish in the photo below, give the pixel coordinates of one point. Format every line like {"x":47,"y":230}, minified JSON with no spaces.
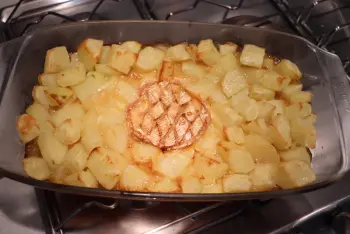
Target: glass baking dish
{"x":22,"y":59}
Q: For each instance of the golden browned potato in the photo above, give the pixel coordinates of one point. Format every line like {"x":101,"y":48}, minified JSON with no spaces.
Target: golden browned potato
{"x":287,"y":68}
{"x":240,"y":161}
{"x":56,"y":60}
{"x":134,"y":179}
{"x":228,"y":48}
{"x":121,"y":59}
{"x":149,"y":59}
{"x":252,"y":56}
{"x":297,"y":153}
{"x":293,"y":174}
{"x":36,"y":168}
{"x":261,"y":150}
{"x":191,"y":185}
{"x":178,"y":53}
{"x":236,"y":183}
{"x":264,"y":176}
{"x":207,"y":52}
{"x":89,"y":52}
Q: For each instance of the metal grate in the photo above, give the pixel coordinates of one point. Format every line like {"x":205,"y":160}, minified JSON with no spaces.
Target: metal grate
{"x":304,"y":19}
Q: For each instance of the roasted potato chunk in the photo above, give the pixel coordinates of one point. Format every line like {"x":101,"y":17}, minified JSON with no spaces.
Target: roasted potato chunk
{"x":252,"y":56}
{"x":56,"y":60}
{"x":294,"y":174}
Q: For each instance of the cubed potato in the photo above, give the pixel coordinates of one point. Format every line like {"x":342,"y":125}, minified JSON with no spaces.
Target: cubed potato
{"x":300,"y":97}
{"x":287,"y":68}
{"x":294,"y":174}
{"x":162,"y":46}
{"x":59,"y":172}
{"x":134,"y":179}
{"x":303,"y":131}
{"x":116,"y":137}
{"x":81,"y":179}
{"x":89,"y":52}
{"x":291,"y":89}
{"x":236,"y":183}
{"x":165,"y":185}
{"x":279,"y":105}
{"x":47,"y":80}
{"x":105,"y":50}
{"x":217,"y":96}
{"x":173,"y":163}
{"x":209,"y":170}
{"x":235,"y":134}
{"x":76,"y":157}
{"x":149,"y":59}
{"x":93,"y":83}
{"x":201,"y":88}
{"x":281,"y":134}
{"x":128,"y":92}
{"x":268,"y":63}
{"x":252,"y":56}
{"x":59,"y":96}
{"x":69,"y":131}
{"x":239,"y":97}
{"x":71,"y":76}
{"x":265,"y":110}
{"x":207,"y":143}
{"x":298,"y":110}
{"x":246,"y":107}
{"x":274,"y":81}
{"x":260,"y":93}
{"x":27,"y":128}
{"x":120,"y":59}
{"x":143,"y":153}
{"x":69,"y":111}
{"x":259,"y":127}
{"x":91,"y":136}
{"x":207,"y":52}
{"x":253,"y":75}
{"x":228,"y":48}
{"x":40,"y":95}
{"x":106,"y":70}
{"x":56,"y":60}
{"x":38,"y":111}
{"x":132,"y":46}
{"x":106,"y":167}
{"x":213,"y":188}
{"x":37,"y":168}
{"x":227,"y":115}
{"x":178,"y":53}
{"x":233,"y":82}
{"x":52,"y":150}
{"x":297,"y":153}
{"x":227,"y":63}
{"x":193,"y":70}
{"x":264,"y":176}
{"x":108,"y":116}
{"x":261,"y":149}
{"x":240,"y":161}
{"x":191,"y":185}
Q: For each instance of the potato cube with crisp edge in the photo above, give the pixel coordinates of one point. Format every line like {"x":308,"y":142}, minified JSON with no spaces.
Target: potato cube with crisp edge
{"x":252,"y":56}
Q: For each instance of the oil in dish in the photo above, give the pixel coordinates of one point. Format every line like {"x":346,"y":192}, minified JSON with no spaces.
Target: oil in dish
{"x":182,"y":118}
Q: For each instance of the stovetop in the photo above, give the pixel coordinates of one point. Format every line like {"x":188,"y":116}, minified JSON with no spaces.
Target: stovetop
{"x":26,"y":210}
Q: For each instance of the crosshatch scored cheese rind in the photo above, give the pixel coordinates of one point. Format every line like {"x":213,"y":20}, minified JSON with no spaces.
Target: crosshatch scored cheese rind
{"x":185,"y":118}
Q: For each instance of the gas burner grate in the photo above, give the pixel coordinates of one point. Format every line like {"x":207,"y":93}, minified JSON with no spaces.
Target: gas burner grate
{"x":193,"y":218}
